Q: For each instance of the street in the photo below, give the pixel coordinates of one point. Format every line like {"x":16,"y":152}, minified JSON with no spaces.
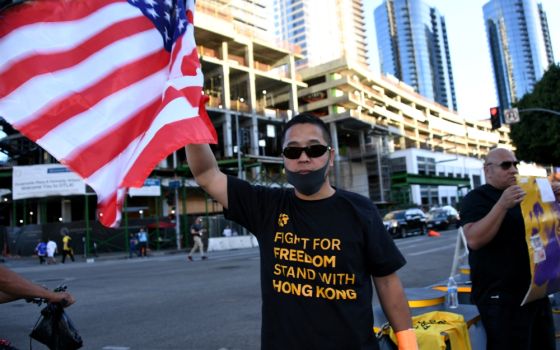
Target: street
{"x":166,"y":302}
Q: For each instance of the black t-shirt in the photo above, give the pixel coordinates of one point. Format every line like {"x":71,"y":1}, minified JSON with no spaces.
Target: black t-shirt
{"x":317,"y":259}
{"x":197,"y":228}
{"x":502,"y":266}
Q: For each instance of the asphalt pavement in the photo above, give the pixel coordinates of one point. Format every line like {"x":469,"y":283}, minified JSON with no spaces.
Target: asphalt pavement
{"x":225,"y":316}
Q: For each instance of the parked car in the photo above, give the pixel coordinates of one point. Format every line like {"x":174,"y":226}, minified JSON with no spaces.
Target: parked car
{"x":443,"y":218}
{"x":401,"y":223}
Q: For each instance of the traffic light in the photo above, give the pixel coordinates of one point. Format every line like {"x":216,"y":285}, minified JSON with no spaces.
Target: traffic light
{"x":495,"y":118}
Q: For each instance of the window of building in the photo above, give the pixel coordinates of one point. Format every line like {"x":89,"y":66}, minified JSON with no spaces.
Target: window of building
{"x":429,"y":195}
{"x":426,"y":166}
{"x":398,"y":165}
{"x":477,"y":181}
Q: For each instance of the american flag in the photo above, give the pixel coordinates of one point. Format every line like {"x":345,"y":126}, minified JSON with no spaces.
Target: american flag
{"x":108,"y":87}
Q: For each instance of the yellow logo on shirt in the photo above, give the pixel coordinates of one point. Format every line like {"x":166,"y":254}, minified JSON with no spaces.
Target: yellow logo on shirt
{"x":283,"y":220}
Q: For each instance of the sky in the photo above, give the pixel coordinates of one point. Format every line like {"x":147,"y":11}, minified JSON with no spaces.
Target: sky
{"x":470,"y":57}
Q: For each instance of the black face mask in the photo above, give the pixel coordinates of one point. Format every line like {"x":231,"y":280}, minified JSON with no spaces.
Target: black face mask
{"x":309,"y":183}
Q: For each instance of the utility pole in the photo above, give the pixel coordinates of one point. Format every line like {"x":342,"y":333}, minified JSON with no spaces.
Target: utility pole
{"x":539,"y":110}
{"x":511,"y":115}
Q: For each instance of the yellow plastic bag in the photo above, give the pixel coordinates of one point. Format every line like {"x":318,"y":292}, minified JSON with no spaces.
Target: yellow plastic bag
{"x":432,"y":329}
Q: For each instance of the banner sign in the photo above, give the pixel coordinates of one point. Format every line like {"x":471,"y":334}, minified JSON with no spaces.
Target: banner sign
{"x":151,"y":188}
{"x":541,"y":213}
{"x":45,"y":180}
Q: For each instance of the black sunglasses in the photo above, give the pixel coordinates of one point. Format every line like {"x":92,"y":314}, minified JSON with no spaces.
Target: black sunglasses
{"x":506,"y":165}
{"x":312,"y":151}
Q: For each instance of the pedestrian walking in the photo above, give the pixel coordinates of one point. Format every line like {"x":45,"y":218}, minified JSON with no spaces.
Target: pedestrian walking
{"x":66,"y":245}
{"x":52,"y":249}
{"x":41,"y":251}
{"x":94,"y":249}
{"x":197,"y":230}
{"x":142,"y":242}
{"x":132,"y":245}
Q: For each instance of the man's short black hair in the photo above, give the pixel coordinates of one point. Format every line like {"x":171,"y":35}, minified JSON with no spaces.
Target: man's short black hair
{"x":308,"y":118}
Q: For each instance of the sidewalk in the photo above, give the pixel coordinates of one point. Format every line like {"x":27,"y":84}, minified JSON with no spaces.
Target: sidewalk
{"x":20,"y":261}
{"x":30,"y":261}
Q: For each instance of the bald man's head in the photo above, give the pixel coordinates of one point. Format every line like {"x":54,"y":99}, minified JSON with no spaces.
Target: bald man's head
{"x":500,"y":168}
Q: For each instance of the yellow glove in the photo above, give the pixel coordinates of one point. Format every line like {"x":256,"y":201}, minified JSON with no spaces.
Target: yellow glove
{"x":406,"y":340}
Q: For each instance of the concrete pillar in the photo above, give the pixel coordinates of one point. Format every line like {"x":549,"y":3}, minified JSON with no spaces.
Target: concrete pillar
{"x":252,"y":100}
{"x":66,"y":210}
{"x":334,"y":137}
{"x":294,"y":106}
{"x":227,"y":129}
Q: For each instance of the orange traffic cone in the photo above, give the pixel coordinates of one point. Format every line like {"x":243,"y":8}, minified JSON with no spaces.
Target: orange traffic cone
{"x":433,"y":233}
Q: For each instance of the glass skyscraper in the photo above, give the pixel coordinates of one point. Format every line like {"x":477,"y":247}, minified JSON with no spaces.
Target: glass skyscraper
{"x":520,"y":46}
{"x":413,"y":47}
{"x":325,"y":30}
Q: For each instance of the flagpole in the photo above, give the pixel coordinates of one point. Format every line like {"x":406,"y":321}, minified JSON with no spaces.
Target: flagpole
{"x":238,"y":136}
{"x":177,"y":223}
{"x":88,"y":234}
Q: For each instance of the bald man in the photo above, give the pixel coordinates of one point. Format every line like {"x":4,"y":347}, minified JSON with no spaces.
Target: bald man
{"x":499,"y":260}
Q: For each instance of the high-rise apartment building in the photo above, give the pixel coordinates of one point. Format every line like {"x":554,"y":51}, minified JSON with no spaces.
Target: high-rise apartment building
{"x":413,"y":47}
{"x":520,"y":46}
{"x":250,"y":17}
{"x":325,"y":30}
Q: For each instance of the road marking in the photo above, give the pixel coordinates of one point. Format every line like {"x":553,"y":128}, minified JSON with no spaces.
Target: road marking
{"x":112,"y":347}
{"x":422,"y":252}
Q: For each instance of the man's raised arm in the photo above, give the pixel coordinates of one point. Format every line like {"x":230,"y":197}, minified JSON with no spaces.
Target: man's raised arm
{"x":204,"y":168}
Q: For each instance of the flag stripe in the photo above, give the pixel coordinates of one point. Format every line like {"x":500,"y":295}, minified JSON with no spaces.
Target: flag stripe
{"x":38,"y":93}
{"x":108,"y":216}
{"x":49,"y":11}
{"x":45,"y":63}
{"x":106,"y":115}
{"x":106,"y":180}
{"x":51,"y":37}
{"x":104,"y":149}
{"x":174,"y":111}
{"x":153,"y":152}
{"x":78,"y":102}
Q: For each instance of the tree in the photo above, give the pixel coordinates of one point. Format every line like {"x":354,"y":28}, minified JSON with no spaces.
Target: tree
{"x":537,"y":136}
